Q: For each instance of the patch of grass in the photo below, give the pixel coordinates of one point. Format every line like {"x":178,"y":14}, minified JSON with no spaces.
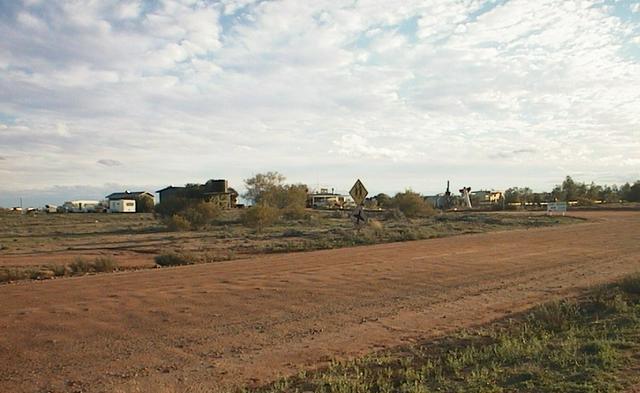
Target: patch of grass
{"x":175,"y":259}
{"x":80,"y":266}
{"x":8,"y":275}
{"x":583,"y":345}
{"x":105,"y":264}
{"x":631,"y":284}
{"x":177,"y":223}
{"x":291,"y":232}
{"x":58,"y":270}
{"x":225,"y":237}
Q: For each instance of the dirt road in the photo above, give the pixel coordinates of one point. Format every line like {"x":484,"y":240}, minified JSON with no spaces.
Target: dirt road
{"x":250,"y":321}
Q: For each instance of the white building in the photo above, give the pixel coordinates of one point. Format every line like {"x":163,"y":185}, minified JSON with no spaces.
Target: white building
{"x":50,"y":209}
{"x":81,"y":206}
{"x":122,"y":206}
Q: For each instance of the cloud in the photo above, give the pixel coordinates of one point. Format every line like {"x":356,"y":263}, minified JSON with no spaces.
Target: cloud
{"x":524,"y":151}
{"x":184,"y":86}
{"x":513,"y":153}
{"x":108,"y":162}
{"x":355,"y":146}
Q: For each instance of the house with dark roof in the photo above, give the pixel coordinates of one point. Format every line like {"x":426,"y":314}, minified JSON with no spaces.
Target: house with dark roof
{"x":129,"y":202}
{"x":129,"y":195}
{"x":214,"y":190}
{"x":170,"y":192}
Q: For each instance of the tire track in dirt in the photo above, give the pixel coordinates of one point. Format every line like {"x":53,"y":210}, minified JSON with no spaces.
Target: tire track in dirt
{"x":250,"y":321}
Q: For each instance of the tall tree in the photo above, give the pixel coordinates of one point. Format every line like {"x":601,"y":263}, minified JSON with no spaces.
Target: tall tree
{"x":634,"y":192}
{"x":258,"y":184}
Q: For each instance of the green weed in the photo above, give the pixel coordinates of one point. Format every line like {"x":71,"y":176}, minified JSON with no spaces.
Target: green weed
{"x":582,"y":345}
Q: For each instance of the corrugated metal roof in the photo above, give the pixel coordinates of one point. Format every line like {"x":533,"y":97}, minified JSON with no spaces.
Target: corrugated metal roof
{"x":127,"y":195}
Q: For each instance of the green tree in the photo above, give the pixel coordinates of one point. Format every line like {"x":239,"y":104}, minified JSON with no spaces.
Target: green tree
{"x":201,"y":214}
{"x":569,"y":189}
{"x":609,"y":194}
{"x":412,"y":204}
{"x":625,"y":191}
{"x":593,"y":192}
{"x":519,"y":195}
{"x":144,"y":204}
{"x":171,"y":206}
{"x":259,"y":183}
{"x":291,"y":199}
{"x":259,"y":216}
{"x":384,"y":201}
{"x":634,"y":192}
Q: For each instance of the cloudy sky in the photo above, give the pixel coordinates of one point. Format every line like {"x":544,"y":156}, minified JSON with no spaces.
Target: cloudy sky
{"x":98,"y":96}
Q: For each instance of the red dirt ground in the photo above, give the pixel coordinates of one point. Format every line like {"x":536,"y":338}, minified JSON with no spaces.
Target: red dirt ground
{"x":250,"y":321}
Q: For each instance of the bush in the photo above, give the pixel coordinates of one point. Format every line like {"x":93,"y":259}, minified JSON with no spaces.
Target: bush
{"x":291,"y":199}
{"x":292,"y":233}
{"x":40,"y":274}
{"x":58,"y":270}
{"x":259,"y":216}
{"x":7,"y":275}
{"x":194,"y":216}
{"x":80,"y":266}
{"x":555,"y":316}
{"x":105,"y":264}
{"x":175,"y":259}
{"x":394,"y":215}
{"x":201,"y":214}
{"x":144,"y":204}
{"x":177,"y":223}
{"x":631,"y":284}
{"x":172,"y":206}
{"x":412,"y":204}
{"x":377,"y":227}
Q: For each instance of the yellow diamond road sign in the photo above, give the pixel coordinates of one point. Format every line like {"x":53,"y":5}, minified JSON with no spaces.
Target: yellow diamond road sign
{"x":358,"y":192}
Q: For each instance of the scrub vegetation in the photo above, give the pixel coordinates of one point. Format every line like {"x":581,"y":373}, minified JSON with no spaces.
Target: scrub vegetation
{"x":589,"y":344}
{"x":49,"y":245}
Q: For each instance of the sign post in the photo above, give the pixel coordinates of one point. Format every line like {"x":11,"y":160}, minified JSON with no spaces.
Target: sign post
{"x":559,"y":207}
{"x":358,"y":193}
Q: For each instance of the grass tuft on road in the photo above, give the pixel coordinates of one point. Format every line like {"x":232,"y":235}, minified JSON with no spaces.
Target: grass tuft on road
{"x":80,"y":266}
{"x":583,"y":345}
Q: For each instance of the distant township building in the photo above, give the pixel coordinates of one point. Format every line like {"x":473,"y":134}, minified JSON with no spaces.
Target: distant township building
{"x":324,"y":199}
{"x":128,"y":202}
{"x":214,"y":190}
{"x":486,"y":198}
{"x":81,"y":206}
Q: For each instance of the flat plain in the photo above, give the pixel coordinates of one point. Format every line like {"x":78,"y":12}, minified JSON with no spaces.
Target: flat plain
{"x":36,"y":243}
{"x":250,"y":321}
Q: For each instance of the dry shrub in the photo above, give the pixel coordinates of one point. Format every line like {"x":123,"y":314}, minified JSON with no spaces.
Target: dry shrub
{"x":259,"y":216}
{"x":58,"y":270}
{"x":291,"y":199}
{"x":7,"y":275}
{"x":175,"y":259}
{"x":80,"y":266}
{"x":377,"y":227}
{"x":105,"y":264}
{"x":177,"y":223}
{"x":201,"y":214}
{"x":412,"y":204}
{"x":631,"y":284}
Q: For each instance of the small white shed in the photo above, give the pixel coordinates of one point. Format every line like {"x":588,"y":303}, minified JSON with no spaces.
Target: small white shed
{"x":122,"y":206}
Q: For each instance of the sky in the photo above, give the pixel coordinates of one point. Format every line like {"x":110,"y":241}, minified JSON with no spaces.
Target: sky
{"x":99,"y":96}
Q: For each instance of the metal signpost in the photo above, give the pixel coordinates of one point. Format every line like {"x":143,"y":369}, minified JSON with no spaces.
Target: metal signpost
{"x":358,"y":216}
{"x":557,"y":207}
{"x":358,"y":193}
